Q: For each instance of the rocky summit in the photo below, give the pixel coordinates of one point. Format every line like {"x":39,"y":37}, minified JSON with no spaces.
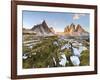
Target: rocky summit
{"x":75,"y":30}
{"x":42,"y":29}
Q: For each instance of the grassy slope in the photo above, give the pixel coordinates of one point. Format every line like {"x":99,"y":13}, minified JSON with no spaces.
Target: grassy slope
{"x":45,"y":52}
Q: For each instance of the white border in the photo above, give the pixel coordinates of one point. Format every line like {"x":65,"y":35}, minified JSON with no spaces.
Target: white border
{"x":21,"y":71}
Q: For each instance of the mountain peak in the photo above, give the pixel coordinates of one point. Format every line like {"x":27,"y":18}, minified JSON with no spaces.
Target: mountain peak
{"x":44,"y":22}
{"x":72,"y":24}
{"x":51,"y":28}
{"x":42,"y":28}
{"x":72,"y":27}
{"x":79,"y":28}
{"x":75,"y":30}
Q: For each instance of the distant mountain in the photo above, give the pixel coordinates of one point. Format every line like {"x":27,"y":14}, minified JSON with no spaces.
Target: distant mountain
{"x":80,"y":29}
{"x":75,"y":30}
{"x":28,"y":32}
{"x":52,"y":30}
{"x":42,"y":29}
{"x":69,"y":28}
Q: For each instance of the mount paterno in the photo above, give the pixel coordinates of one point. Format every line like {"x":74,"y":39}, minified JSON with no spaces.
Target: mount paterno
{"x":43,"y":29}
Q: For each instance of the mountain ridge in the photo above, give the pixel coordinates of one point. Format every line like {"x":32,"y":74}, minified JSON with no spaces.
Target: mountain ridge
{"x":75,"y":30}
{"x":69,"y":30}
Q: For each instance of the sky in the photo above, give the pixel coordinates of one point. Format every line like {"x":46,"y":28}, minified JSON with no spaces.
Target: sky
{"x":57,"y":20}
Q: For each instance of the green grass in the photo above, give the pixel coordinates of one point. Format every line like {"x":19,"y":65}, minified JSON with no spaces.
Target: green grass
{"x":84,"y":58}
{"x":45,"y":51}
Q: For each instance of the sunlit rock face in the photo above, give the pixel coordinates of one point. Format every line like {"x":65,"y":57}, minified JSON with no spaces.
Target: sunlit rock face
{"x":75,"y":30}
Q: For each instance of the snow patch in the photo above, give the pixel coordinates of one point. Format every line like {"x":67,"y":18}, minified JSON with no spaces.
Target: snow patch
{"x":75,"y":60}
{"x":76,"y":52}
{"x":63,"y":60}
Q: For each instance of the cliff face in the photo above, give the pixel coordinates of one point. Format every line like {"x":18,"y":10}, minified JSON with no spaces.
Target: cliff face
{"x":75,"y":30}
{"x":42,"y":28}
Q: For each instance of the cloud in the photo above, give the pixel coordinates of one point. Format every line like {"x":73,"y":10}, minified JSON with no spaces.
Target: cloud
{"x":77,"y":16}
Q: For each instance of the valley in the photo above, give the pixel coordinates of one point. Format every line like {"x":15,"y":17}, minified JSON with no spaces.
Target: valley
{"x":44,"y":48}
